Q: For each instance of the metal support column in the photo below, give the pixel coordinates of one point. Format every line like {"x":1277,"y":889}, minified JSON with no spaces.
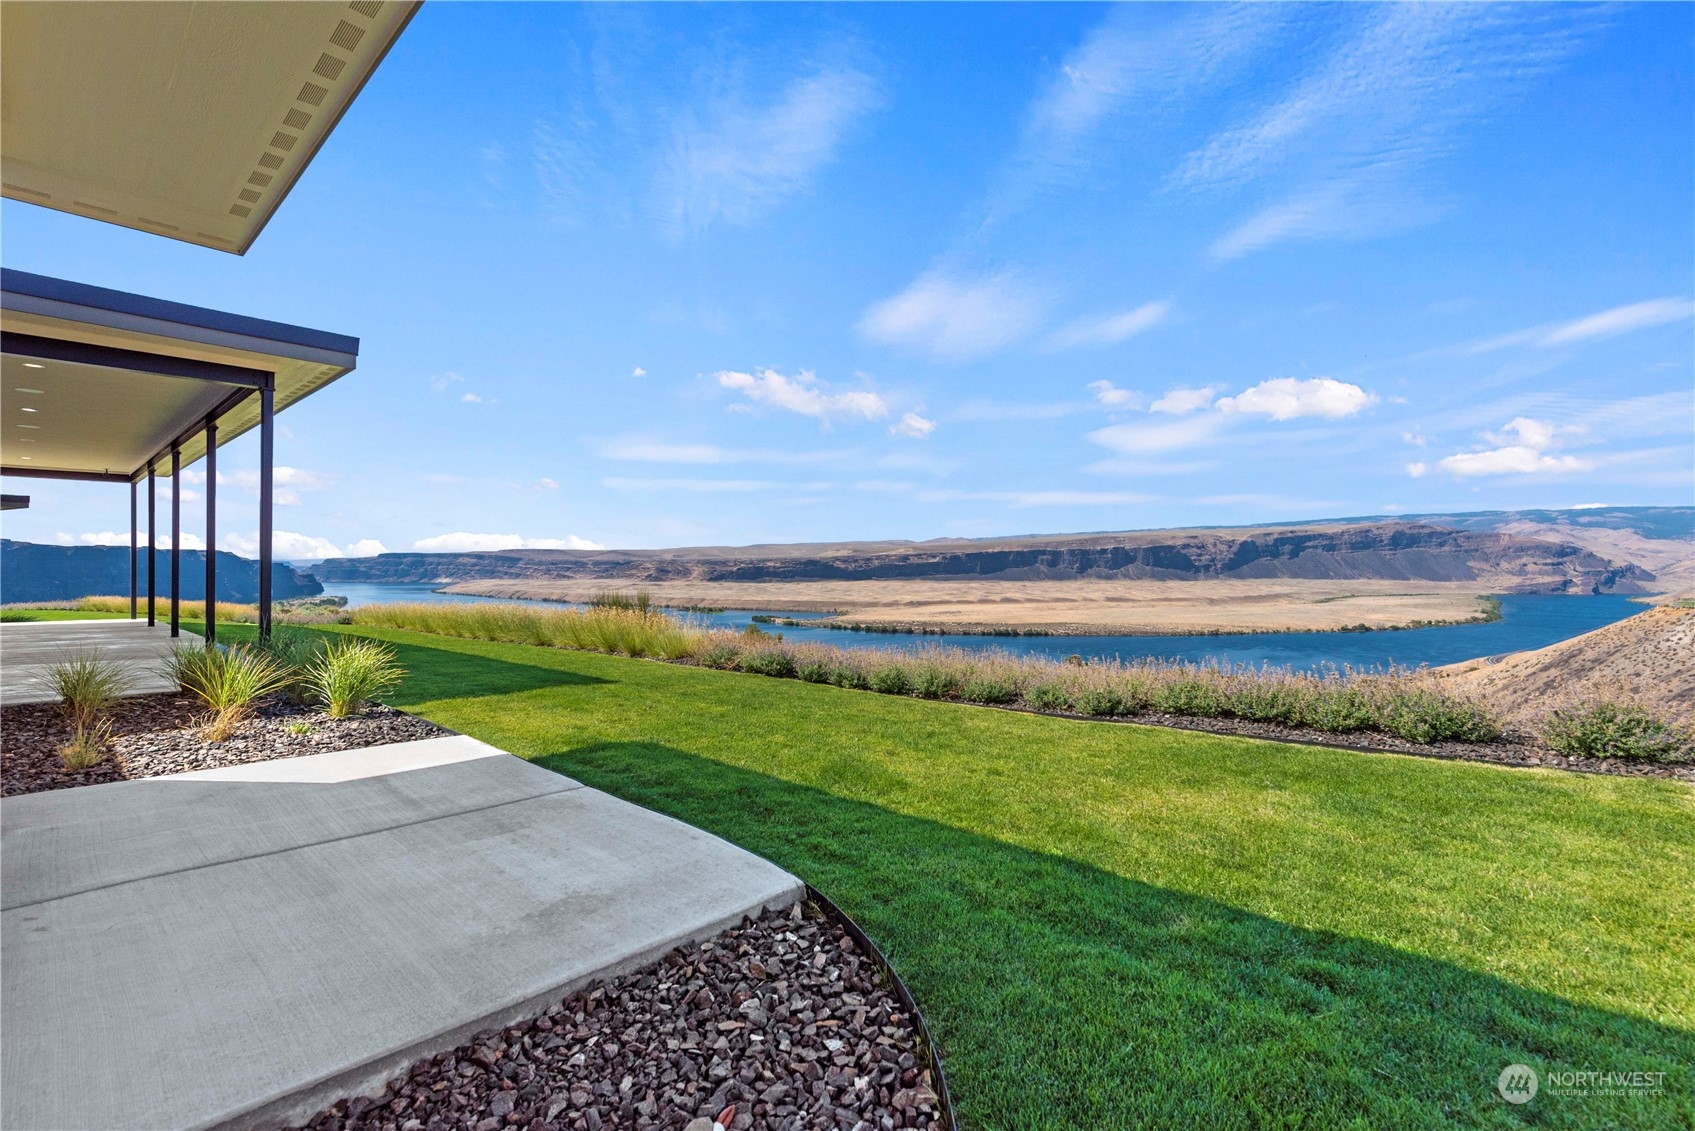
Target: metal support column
{"x":152,"y":553}
{"x":266,"y":412}
{"x":132,"y":536}
{"x":176,"y":537}
{"x":211,"y":529}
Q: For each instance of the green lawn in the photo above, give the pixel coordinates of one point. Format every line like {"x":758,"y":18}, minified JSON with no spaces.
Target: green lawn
{"x":14,"y":616}
{"x":1112,"y":926}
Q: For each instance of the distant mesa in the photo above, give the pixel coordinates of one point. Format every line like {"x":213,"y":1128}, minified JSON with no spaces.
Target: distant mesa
{"x":1387,"y":550}
{"x":30,"y":571}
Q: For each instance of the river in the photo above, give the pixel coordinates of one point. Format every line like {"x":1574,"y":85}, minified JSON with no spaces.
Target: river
{"x":1527,"y":621}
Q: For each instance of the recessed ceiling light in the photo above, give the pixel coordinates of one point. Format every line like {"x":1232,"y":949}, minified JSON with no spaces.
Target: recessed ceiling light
{"x":34,"y":365}
{"x":21,"y":389}
{"x":37,"y":427}
{"x":32,"y":410}
{"x":24,"y":457}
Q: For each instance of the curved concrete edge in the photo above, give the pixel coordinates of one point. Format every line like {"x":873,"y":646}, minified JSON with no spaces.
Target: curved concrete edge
{"x":369,"y":1079}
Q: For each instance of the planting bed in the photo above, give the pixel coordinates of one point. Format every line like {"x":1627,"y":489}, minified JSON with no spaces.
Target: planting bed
{"x":785,"y":1017}
{"x":157,"y":734}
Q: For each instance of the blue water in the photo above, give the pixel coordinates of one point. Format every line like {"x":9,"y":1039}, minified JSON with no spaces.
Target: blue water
{"x":1527,"y":621}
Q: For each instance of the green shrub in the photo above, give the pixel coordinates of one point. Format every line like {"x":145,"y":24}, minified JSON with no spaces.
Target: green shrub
{"x":87,"y":685}
{"x":890,"y":679}
{"x":351,"y":671}
{"x":987,"y":689}
{"x":1268,"y":699}
{"x":1422,"y":714}
{"x":770,"y":661}
{"x":18,"y":616}
{"x":1601,"y":729}
{"x":1048,"y":697}
{"x":721,"y":656}
{"x":849,"y":676}
{"x":1101,"y":701}
{"x":815,"y":671}
{"x":934,"y":681}
{"x":1190,"y":695}
{"x":1340,"y":709}
{"x":228,"y":680}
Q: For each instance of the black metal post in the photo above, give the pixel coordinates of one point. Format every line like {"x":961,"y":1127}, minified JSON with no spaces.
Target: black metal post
{"x":265,"y":453}
{"x":176,"y":536}
{"x":211,"y":529}
{"x":132,"y":536}
{"x":152,"y":553}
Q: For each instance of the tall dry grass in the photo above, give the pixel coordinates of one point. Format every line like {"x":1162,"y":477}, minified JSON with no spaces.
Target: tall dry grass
{"x":1399,"y":702}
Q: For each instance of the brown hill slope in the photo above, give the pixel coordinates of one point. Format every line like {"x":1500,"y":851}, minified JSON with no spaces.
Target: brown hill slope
{"x":1398,"y":551}
{"x":1649,"y":657}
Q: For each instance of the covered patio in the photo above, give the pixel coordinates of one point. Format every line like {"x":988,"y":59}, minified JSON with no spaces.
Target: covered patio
{"x":119,"y":388}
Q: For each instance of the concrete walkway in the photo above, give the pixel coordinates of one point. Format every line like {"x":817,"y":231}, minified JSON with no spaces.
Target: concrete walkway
{"x":28,"y":647}
{"x":238,"y":947}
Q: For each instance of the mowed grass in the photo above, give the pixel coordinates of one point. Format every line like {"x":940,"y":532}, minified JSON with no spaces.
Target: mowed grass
{"x":1114,"y":926}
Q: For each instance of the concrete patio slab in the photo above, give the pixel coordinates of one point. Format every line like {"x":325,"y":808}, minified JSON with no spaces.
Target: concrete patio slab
{"x":27,"y":648}
{"x":327,"y":930}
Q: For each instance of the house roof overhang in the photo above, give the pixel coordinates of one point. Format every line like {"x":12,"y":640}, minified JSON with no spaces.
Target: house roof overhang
{"x":190,"y":120}
{"x":98,"y":383}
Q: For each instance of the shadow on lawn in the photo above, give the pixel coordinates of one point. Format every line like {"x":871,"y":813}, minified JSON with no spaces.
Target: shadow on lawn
{"x":1065,"y":996}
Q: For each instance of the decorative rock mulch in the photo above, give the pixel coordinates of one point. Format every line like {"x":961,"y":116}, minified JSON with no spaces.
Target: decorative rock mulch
{"x":158,"y":734}
{"x":1513,"y":750}
{"x":784,"y":1018}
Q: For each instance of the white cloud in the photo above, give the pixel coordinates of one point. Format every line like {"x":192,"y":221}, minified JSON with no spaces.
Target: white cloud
{"x":1285,"y":398}
{"x":366,"y":548}
{"x":1144,"y":438}
{"x":954,"y":319}
{"x":286,"y":483}
{"x":103,"y":538}
{"x":1525,"y":448}
{"x":441,"y":382}
{"x":462,"y":542}
{"x":471,"y":398}
{"x":696,"y":485}
{"x":286,"y":545}
{"x":804,"y":394}
{"x":1112,"y":328}
{"x":742,"y":160}
{"x":1181,"y":402}
{"x":638,"y":371}
{"x":1417,"y":469}
{"x":913,"y":427}
{"x":1112,"y":396}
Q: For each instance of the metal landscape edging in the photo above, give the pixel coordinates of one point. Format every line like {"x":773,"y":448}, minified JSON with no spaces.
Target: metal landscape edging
{"x":932,"y":1053}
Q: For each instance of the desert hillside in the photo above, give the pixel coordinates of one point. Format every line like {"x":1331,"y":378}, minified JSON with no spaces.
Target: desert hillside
{"x":1650,"y":657}
{"x":1382,"y":551}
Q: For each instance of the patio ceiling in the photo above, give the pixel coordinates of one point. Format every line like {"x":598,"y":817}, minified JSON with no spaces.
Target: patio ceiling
{"x":188,"y":120}
{"x":99,"y":381}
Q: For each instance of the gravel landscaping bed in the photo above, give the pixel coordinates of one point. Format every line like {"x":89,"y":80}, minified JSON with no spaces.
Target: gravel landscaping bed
{"x":1513,"y":750}
{"x":784,"y":1017}
{"x":158,"y":734}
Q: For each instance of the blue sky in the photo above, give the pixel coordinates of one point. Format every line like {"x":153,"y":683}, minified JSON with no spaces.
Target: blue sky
{"x":643,"y":276}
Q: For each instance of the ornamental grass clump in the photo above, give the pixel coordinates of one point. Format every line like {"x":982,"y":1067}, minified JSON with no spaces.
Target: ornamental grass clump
{"x":87,"y":684}
{"x":230,"y":681}
{"x":295,"y":650}
{"x":1600,"y":728}
{"x":350,"y":672}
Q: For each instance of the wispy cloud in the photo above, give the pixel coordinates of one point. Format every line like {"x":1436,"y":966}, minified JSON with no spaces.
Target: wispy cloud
{"x":643,"y":450}
{"x":804,"y":394}
{"x":913,"y":427}
{"x":734,"y":160}
{"x":956,"y":319}
{"x":1112,"y":396}
{"x":710,"y":486}
{"x":1345,"y":146}
{"x":1602,"y":324}
{"x":1144,"y":438}
{"x":1182,"y":401}
{"x":1113,"y":328}
{"x":462,"y":542}
{"x":1024,"y":499}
